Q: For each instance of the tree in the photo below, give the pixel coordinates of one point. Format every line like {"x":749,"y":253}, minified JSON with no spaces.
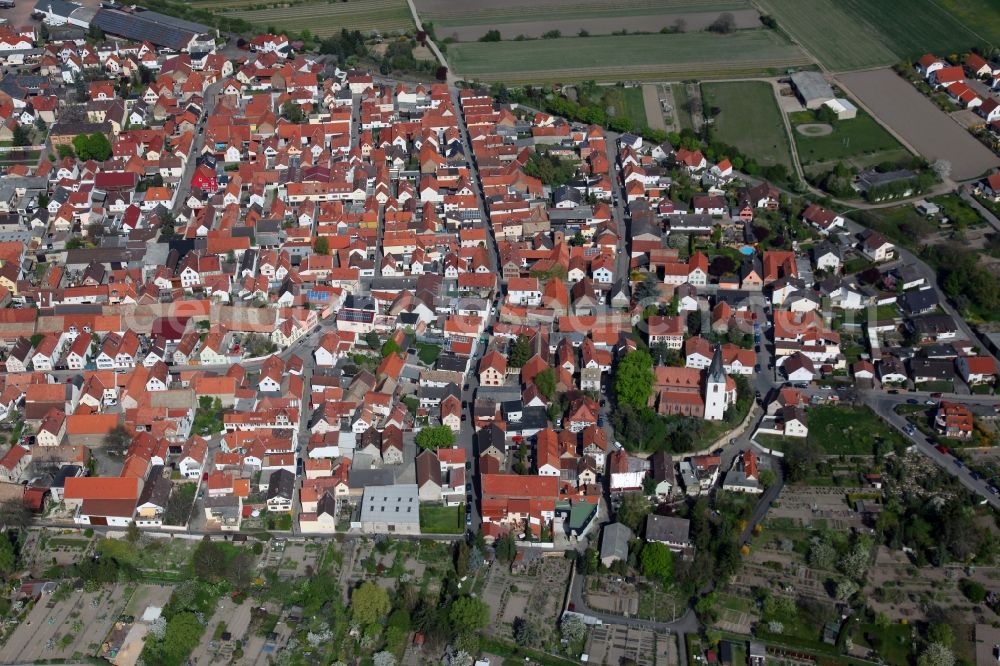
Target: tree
{"x":369,"y":604}
{"x":573,"y":628}
{"x":506,"y":548}
{"x":184,"y":630}
{"x":435,"y":437}
{"x":467,"y":614}
{"x":491,"y":36}
{"x":767,"y":478}
{"x":634,"y":378}
{"x":846,"y":589}
{"x":132,"y":533}
{"x":941,"y":633}
{"x":723,"y":25}
{"x":973,"y":591}
{"x":209,"y":561}
{"x":8,"y":561}
{"x":520,"y":352}
{"x":822,"y":554}
{"x":526,"y":634}
{"x":92,"y":147}
{"x":657,"y":562}
{"x":322,"y":245}
{"x":292,"y":112}
{"x":546,"y":383}
{"x":461,"y":559}
{"x":384,"y":658}
{"x":633,"y":510}
{"x":118,"y":438}
{"x":801,"y":459}
{"x":22,"y":137}
{"x":648,"y":288}
{"x":475,"y":559}
{"x":936,"y":654}
{"x":941,"y":169}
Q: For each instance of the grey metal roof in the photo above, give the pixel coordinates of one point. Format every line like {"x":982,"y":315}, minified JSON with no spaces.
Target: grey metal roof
{"x":614,"y":541}
{"x":812,"y":86}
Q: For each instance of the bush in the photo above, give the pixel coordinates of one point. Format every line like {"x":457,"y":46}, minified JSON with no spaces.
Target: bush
{"x":972,"y":590}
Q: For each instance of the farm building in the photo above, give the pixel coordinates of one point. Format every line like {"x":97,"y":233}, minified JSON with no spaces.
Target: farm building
{"x":844,"y":109}
{"x":812,"y":89}
{"x":158,"y":29}
{"x":60,"y":12}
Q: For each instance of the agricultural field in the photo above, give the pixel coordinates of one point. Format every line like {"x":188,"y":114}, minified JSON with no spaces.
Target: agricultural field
{"x":321,"y":18}
{"x":855,"y":34}
{"x":860,"y":141}
{"x":749,"y":119}
{"x":490,"y":14}
{"x":980,"y":16}
{"x":604,"y":58}
{"x":921,"y":124}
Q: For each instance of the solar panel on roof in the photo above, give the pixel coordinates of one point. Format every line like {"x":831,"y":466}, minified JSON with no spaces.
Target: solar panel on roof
{"x":356,"y":315}
{"x":141,"y":28}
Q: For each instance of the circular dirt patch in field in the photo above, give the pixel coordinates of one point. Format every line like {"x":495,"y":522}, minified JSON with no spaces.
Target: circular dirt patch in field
{"x":814,"y":129}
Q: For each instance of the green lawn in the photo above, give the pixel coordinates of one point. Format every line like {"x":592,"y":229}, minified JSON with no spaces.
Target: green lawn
{"x":634,"y":107}
{"x":611,"y":57}
{"x":440,"y":519}
{"x":749,"y":119}
{"x":680,"y":106}
{"x":892,"y":643}
{"x":840,"y":431}
{"x":900,"y":224}
{"x":958,"y":211}
{"x":860,"y":141}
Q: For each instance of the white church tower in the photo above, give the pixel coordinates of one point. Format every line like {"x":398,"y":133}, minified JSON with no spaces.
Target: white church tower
{"x":715,"y":388}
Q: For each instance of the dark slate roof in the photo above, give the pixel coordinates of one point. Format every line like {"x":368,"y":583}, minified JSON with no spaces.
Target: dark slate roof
{"x":148,"y":26}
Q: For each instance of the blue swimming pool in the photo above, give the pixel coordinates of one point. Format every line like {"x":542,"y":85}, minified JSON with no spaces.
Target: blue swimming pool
{"x":747,"y":250}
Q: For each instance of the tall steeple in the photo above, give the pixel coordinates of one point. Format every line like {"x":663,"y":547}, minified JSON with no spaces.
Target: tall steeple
{"x":715,"y":388}
{"x":717,"y":371}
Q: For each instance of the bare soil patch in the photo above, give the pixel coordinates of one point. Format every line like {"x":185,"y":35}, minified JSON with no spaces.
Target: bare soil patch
{"x":814,"y":129}
{"x":921,"y":124}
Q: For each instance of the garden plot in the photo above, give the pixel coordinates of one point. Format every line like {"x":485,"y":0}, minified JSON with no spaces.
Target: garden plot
{"x":617,"y":644}
{"x":71,"y":628}
{"x":821,"y":507}
{"x":535,"y":596}
{"x":902,"y":590}
{"x":605,"y":593}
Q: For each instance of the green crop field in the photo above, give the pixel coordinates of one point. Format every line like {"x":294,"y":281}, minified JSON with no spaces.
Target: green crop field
{"x":858,"y":34}
{"x":485,"y":12}
{"x":749,"y":119}
{"x":916,"y":27}
{"x":980,"y":16}
{"x":319,"y":17}
{"x":838,"y":40}
{"x":860,"y":141}
{"x":608,"y":57}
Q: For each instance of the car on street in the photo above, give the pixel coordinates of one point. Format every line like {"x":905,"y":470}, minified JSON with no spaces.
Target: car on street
{"x":757,"y":367}
{"x":930,"y":402}
{"x":758,"y":349}
{"x":600,"y":421}
{"x":993,"y":489}
{"x":912,"y":401}
{"x":942,"y":449}
{"x":976,"y":476}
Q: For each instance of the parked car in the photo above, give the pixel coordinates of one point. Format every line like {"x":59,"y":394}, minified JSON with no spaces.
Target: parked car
{"x":976,"y":476}
{"x":930,"y":402}
{"x":912,"y":401}
{"x":942,"y":449}
{"x":993,"y":489}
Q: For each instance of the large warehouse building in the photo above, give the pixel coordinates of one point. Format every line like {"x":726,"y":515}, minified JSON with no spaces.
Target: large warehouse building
{"x":136,"y":24}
